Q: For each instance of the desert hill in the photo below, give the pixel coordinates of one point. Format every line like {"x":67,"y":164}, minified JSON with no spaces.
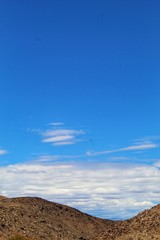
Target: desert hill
{"x":37,"y":219}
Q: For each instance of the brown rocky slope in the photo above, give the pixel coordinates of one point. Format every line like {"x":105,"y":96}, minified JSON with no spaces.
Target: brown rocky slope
{"x":37,"y":219}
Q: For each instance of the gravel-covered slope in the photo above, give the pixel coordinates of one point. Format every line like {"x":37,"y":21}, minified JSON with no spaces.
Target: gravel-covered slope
{"x":37,"y":219}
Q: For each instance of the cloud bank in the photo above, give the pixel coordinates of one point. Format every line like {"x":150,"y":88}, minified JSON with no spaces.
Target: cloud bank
{"x":108,"y":190}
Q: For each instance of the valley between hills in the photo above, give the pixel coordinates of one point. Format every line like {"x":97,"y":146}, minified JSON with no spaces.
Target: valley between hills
{"x":37,"y":219}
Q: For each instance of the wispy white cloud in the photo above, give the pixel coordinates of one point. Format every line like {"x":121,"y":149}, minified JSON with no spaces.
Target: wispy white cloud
{"x":147,"y":140}
{"x":140,"y":147}
{"x":62,"y":132}
{"x":129,"y":148}
{"x":64,"y":143}
{"x":120,"y":158}
{"x":34,"y":130}
{"x":58,"y":138}
{"x":62,"y":136}
{"x":46,"y":158}
{"x":3,"y":152}
{"x":56,"y":124}
{"x":102,"y":189}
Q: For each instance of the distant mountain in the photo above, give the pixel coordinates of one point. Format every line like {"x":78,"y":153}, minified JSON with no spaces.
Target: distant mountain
{"x":39,"y":219}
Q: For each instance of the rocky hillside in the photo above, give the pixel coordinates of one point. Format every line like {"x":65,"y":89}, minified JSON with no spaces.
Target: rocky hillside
{"x":37,"y":219}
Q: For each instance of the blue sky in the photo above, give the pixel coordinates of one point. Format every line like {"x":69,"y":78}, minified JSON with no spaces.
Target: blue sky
{"x":80,"y":103}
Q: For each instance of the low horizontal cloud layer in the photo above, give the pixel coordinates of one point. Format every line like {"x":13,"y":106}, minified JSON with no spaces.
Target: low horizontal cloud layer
{"x":102,"y":189}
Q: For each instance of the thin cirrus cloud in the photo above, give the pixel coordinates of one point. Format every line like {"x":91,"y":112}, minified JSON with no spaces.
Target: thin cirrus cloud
{"x":62,"y":138}
{"x":129,"y":148}
{"x":56,"y":124}
{"x":64,"y":143}
{"x":3,"y":152}
{"x":59,"y":137}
